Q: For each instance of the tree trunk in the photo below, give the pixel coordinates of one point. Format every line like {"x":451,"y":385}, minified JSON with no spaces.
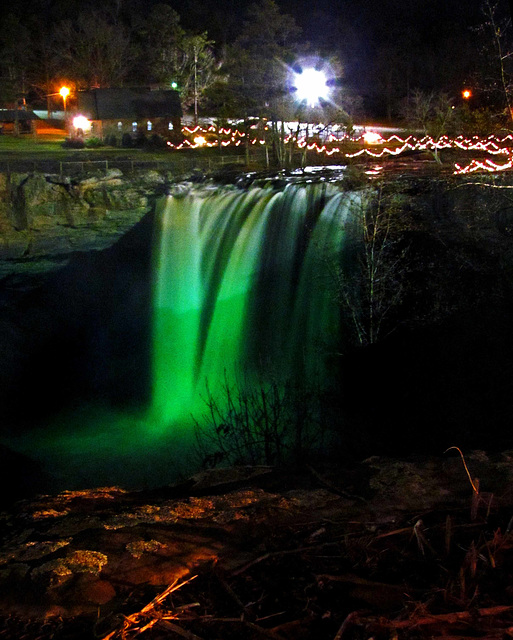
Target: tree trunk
{"x":246,"y":138}
{"x":16,"y":119}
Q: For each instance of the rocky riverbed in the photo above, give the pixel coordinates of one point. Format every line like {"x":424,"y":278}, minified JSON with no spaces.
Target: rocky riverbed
{"x":410,"y":547}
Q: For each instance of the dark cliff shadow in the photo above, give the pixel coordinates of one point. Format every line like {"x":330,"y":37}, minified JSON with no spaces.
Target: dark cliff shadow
{"x":83,"y":335}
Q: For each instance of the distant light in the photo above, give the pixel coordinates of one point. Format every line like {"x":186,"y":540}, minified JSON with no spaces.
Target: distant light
{"x":199,"y":141}
{"x":311,"y":86}
{"x":372,"y":137}
{"x":466,"y":93}
{"x":174,"y":85}
{"x":64,"y":91}
{"x":81,"y":122}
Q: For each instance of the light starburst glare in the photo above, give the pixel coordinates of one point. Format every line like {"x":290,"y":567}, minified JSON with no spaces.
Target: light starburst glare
{"x":311,"y":85}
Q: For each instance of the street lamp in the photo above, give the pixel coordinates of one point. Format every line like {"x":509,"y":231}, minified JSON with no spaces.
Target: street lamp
{"x":467,"y":94}
{"x":64,"y":92}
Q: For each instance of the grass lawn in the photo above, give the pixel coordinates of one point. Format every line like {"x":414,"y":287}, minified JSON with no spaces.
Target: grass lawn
{"x":48,"y":147}
{"x":28,"y":144}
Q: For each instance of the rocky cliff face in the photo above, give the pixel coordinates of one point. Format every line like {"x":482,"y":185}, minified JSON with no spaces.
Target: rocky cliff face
{"x":46,"y":218}
{"x":75,"y":256}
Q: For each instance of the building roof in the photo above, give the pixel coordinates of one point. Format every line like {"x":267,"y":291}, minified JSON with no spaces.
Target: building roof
{"x":129,"y":103}
{"x":9,"y":115}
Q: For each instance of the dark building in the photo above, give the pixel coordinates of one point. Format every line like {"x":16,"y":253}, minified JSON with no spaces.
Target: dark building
{"x":17,"y":120}
{"x":130,"y":110}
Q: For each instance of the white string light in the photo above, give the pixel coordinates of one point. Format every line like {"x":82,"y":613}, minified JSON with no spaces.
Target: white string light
{"x":392,"y":146}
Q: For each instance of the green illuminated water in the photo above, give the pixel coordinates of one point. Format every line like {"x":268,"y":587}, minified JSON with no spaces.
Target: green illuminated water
{"x":243,"y":284}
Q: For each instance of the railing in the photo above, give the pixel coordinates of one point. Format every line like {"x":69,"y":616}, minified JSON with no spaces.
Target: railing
{"x":77,"y":167}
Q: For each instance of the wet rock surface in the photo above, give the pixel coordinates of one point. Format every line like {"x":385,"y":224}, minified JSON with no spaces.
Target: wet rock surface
{"x":262,"y":552}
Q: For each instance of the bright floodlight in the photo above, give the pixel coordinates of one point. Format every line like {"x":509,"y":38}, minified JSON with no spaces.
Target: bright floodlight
{"x":372,"y":137}
{"x":81,"y":122}
{"x":311,"y":86}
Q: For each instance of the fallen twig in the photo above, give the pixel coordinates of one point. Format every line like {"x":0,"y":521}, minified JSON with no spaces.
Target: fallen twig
{"x":277,"y":554}
{"x":130,"y":622}
{"x":242,"y":607}
{"x":348,"y":622}
{"x":169,"y":626}
{"x":388,"y":534}
{"x":267,"y":633}
{"x":162,"y":596}
{"x":422,"y":541}
{"x":440,"y":618}
{"x":472,"y":483}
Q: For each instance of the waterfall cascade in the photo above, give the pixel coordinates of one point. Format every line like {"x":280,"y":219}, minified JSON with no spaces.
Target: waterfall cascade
{"x":243,"y":290}
{"x":246,"y":283}
{"x":243,"y":284}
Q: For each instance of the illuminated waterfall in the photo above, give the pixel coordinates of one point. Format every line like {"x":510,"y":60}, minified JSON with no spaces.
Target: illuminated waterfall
{"x":243,"y":284}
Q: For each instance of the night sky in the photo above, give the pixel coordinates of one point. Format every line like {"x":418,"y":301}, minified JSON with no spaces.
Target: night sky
{"x":370,"y":18}
{"x":326,"y":23}
{"x":431,"y":45}
{"x":439,"y":36}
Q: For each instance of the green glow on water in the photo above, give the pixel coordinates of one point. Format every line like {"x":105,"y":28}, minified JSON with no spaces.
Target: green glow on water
{"x":100,"y":446}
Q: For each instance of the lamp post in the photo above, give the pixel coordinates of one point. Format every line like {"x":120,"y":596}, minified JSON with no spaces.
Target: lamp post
{"x":64,"y":92}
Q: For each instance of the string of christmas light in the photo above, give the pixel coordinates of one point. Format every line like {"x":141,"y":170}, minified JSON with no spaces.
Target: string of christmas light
{"x":392,"y":146}
{"x":486,"y":165}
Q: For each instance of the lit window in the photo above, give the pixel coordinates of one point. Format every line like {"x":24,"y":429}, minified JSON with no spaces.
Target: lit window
{"x":120,"y":126}
{"x":149,"y":125}
{"x":134,"y":127}
{"x":170,"y":126}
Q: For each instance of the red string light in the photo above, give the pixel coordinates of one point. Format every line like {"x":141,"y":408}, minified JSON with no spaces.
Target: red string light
{"x":389,"y":147}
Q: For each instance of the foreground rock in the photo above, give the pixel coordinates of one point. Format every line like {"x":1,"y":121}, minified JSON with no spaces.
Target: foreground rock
{"x":275,"y":554}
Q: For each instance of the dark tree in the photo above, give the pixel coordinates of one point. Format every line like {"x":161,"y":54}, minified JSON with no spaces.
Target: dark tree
{"x":94,"y":50}
{"x":16,"y":60}
{"x":160,"y":42}
{"x":495,"y":72}
{"x":256,"y":64}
